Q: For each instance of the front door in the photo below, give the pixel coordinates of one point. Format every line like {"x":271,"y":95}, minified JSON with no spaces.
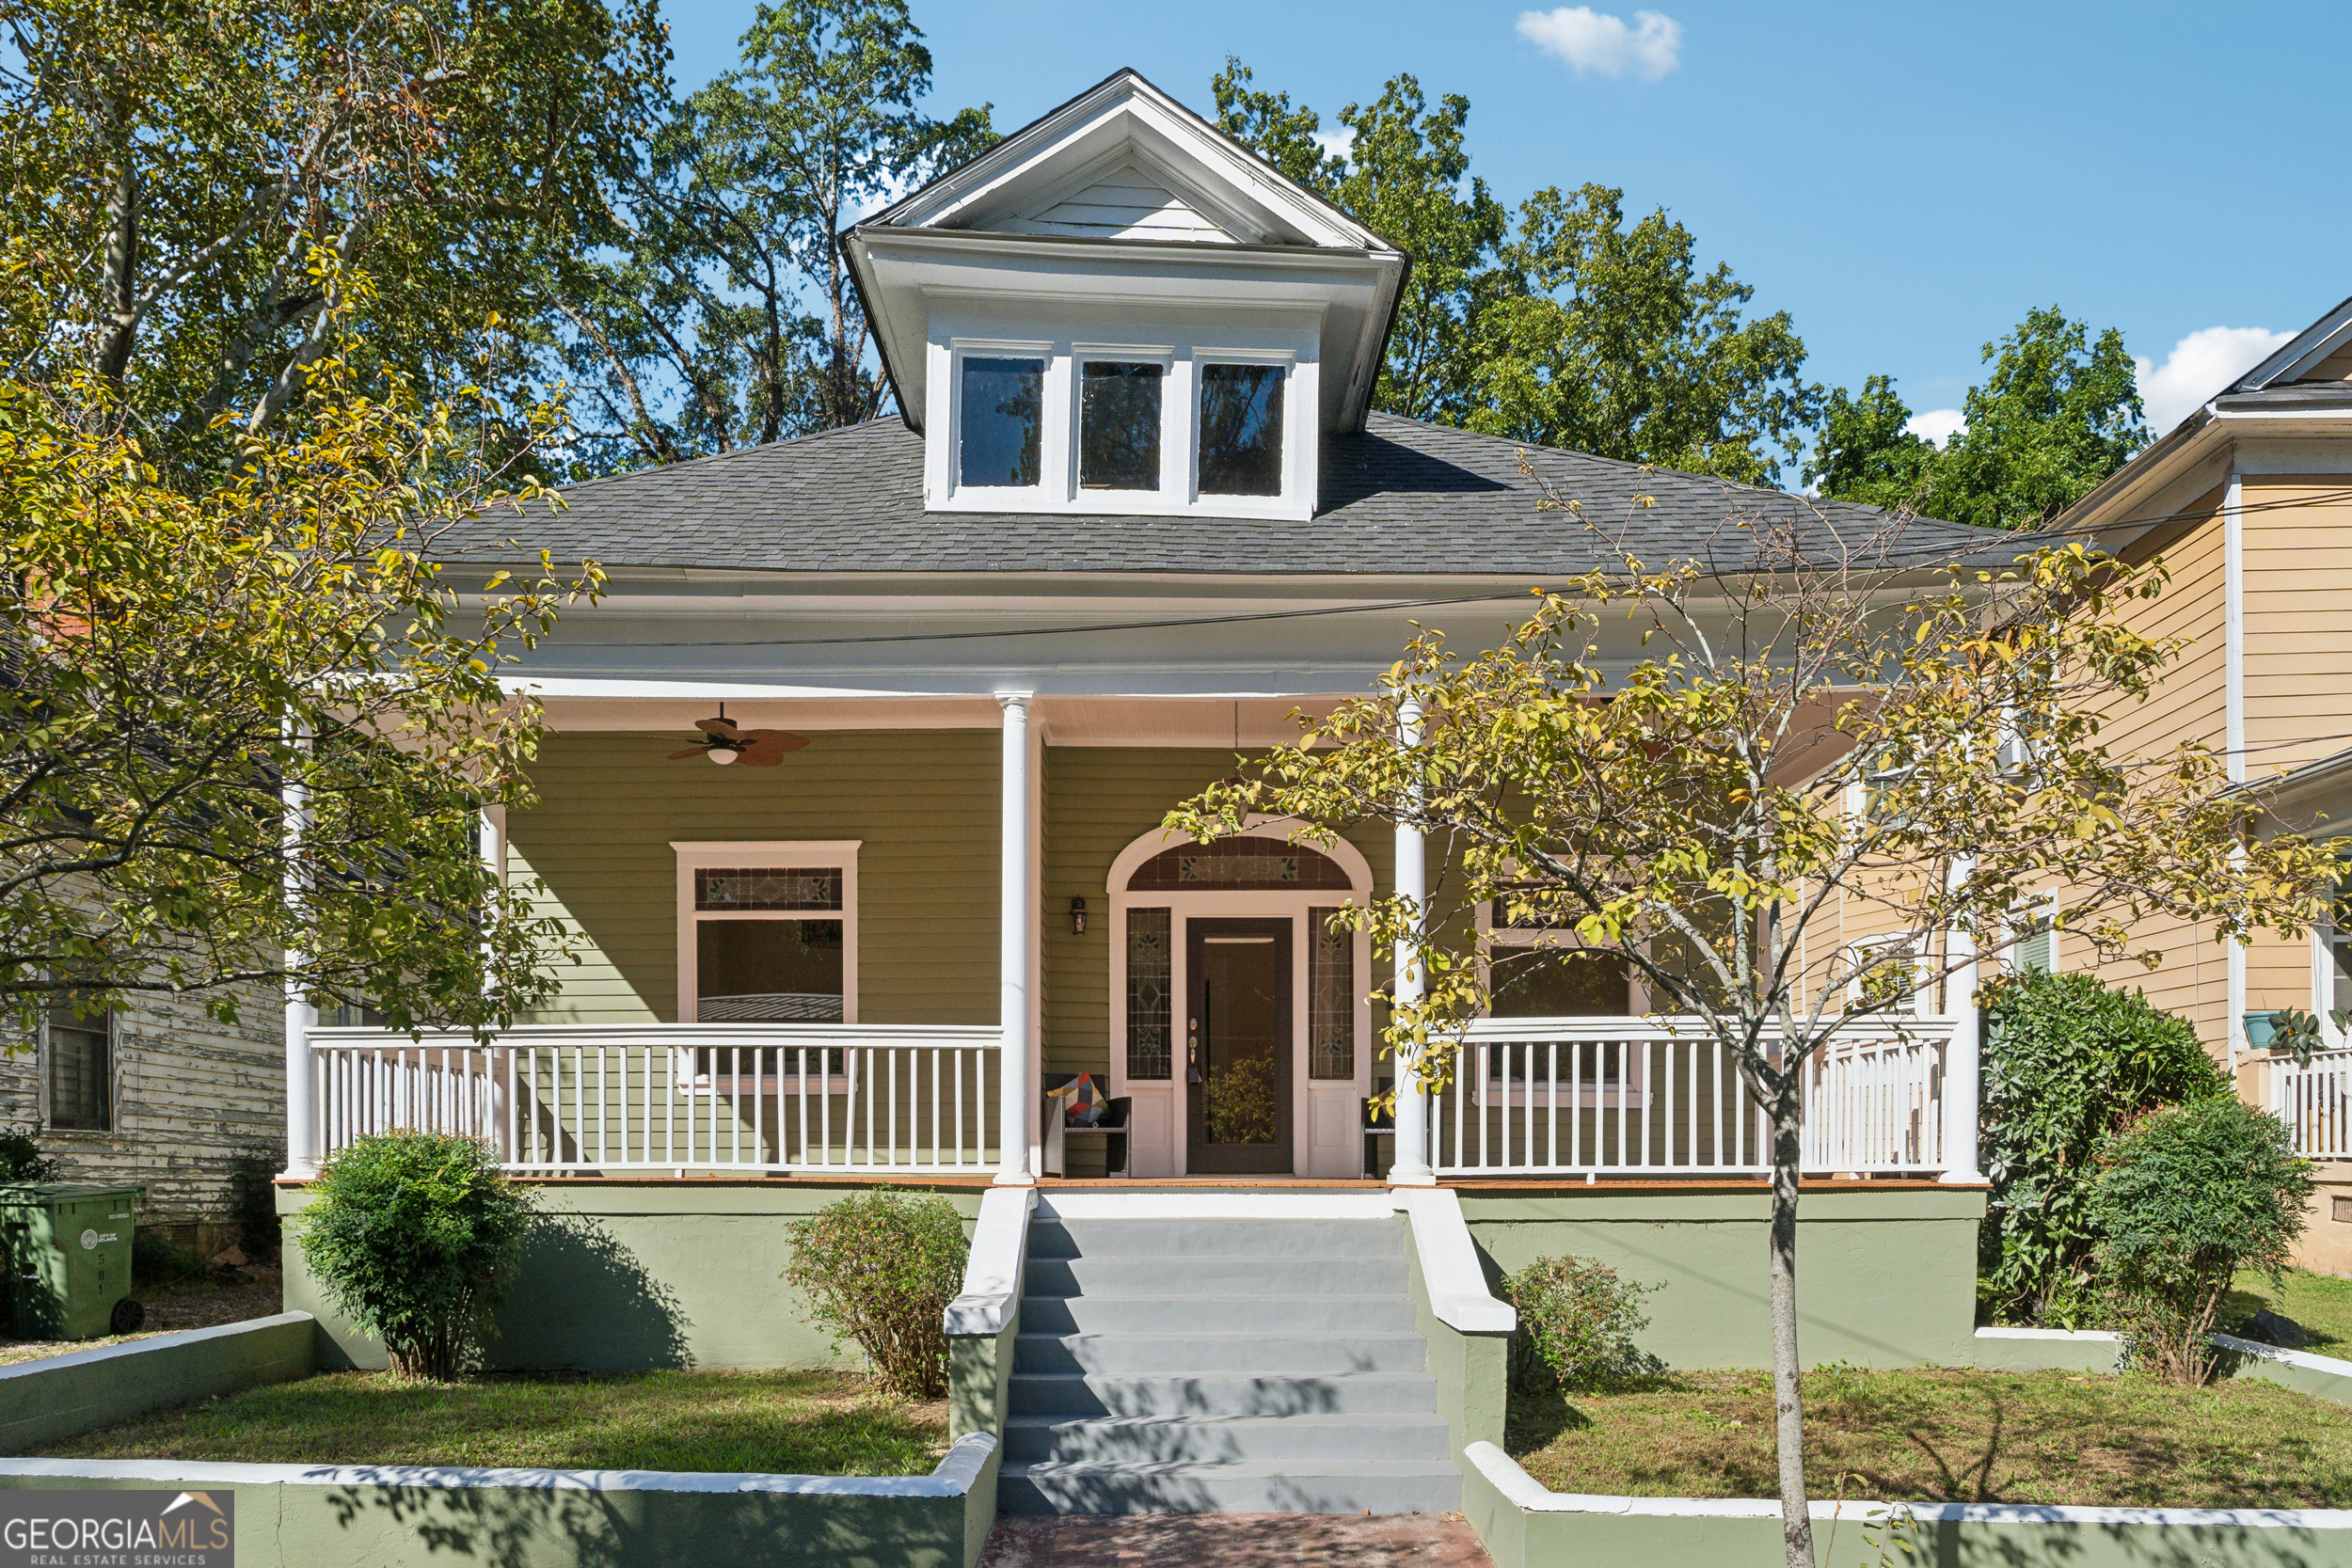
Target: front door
{"x":1237,"y":1047}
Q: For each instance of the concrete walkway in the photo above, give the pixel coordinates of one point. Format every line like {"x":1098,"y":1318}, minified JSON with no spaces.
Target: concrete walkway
{"x":1235,"y":1541}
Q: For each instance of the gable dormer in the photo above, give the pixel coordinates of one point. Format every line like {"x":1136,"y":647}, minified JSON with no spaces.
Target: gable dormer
{"x":1120,"y":310}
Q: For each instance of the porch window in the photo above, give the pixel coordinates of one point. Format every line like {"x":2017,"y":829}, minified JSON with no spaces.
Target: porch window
{"x":1151,"y":981}
{"x":1241,"y":429}
{"x":1003,"y":423}
{"x":768,"y":933}
{"x":1119,"y":425}
{"x":80,"y":1068}
{"x":1330,"y":997}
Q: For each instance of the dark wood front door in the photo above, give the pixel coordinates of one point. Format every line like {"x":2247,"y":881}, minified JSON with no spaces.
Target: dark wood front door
{"x":1237,"y":1047}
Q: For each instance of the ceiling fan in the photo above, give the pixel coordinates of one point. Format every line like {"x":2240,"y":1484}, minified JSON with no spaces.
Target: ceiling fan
{"x":723,"y":744}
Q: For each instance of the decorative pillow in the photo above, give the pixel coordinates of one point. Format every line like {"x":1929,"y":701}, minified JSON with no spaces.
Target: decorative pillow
{"x":1082,"y":1104}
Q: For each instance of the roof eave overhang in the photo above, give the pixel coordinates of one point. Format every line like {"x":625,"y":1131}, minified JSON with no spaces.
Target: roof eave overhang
{"x":2120,"y":509}
{"x":869,"y":246}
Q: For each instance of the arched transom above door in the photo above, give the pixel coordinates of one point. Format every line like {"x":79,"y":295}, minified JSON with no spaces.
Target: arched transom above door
{"x":1239,"y":862}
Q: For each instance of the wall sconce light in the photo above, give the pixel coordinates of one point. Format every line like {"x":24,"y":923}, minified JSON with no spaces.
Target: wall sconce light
{"x":1077,"y":917}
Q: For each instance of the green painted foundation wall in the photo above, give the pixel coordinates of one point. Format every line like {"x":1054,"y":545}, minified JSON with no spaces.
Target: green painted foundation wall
{"x":62,"y":1396}
{"x":1884,"y":1278}
{"x":310,"y":1524}
{"x":618,"y":1277}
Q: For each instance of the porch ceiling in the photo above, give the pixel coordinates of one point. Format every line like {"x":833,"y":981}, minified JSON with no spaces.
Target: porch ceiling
{"x":1214,"y":721}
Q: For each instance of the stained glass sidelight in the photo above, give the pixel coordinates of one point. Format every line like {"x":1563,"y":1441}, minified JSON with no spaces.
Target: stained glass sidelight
{"x":1331,"y":998}
{"x":1151,"y":980}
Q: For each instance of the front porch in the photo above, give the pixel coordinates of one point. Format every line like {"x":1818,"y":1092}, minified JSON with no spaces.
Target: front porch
{"x":872,"y":959}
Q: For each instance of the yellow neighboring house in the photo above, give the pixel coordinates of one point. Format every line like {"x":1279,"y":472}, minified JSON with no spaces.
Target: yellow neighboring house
{"x":2249,"y":503}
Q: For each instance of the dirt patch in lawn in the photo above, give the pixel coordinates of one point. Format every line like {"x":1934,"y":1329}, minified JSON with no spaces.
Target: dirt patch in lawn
{"x":1949,"y":1436}
{"x":170,"y":1310}
{"x":764,"y":1422}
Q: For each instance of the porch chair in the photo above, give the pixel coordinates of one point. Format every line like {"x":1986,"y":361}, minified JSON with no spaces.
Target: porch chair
{"x":1112,"y":1128}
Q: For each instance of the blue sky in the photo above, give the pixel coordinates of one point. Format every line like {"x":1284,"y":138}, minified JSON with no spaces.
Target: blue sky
{"x":1904,"y":178}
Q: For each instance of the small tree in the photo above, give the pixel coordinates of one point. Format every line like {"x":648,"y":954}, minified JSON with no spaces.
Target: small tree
{"x":2192,"y":1193}
{"x":2067,"y":1061}
{"x":416,"y":1237}
{"x":880,"y":1268}
{"x":181,"y":658}
{"x":1823,"y":731}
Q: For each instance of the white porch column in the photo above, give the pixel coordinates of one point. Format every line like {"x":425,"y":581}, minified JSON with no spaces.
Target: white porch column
{"x":1963,"y":1058}
{"x":1411,"y":1168}
{"x":1017,"y":1090}
{"x":302,"y":1131}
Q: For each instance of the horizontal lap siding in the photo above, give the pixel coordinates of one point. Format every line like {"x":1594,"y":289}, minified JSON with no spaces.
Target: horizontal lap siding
{"x":924,"y":802}
{"x":2191,"y":704}
{"x":1098,"y":801}
{"x":2298,"y":639}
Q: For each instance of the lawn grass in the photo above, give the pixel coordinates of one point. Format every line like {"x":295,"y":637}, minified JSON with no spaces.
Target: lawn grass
{"x":2321,"y":1306}
{"x":766,"y":1422}
{"x":1948,"y":1436}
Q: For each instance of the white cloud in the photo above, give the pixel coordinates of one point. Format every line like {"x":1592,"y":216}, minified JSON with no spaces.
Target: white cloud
{"x":1937,"y":424}
{"x":2200,"y":366}
{"x":1339,"y":144}
{"x":1603,"y":44}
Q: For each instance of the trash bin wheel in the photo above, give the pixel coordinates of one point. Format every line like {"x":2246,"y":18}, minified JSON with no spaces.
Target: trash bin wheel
{"x":128,"y":1316}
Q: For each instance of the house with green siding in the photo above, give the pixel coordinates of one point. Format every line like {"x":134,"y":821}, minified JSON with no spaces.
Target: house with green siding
{"x":852,"y":799}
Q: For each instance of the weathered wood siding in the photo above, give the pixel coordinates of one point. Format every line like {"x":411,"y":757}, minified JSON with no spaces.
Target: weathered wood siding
{"x":199,"y":1111}
{"x":923,"y":802}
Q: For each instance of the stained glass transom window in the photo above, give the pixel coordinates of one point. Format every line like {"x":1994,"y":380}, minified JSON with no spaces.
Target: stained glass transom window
{"x":1151,"y":978}
{"x":1331,"y":998}
{"x":773,"y":887}
{"x":1238,"y":862}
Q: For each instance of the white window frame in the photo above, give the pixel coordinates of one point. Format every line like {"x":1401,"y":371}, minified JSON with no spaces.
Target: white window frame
{"x":2042,"y":907}
{"x":1176,"y":381}
{"x":1633,"y":1091}
{"x":1204,"y":356}
{"x":1855,"y":951}
{"x":840,"y":854}
{"x":1055,"y":445}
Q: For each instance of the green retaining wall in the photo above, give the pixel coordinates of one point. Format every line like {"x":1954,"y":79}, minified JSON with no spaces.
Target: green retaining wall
{"x":623,"y":1275}
{"x":62,"y":1396}
{"x":390,"y":1516}
{"x":1525,"y":1526}
{"x":1886,"y":1277}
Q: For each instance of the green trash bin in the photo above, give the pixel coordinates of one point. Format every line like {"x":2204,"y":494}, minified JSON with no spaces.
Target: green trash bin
{"x":69,"y":1259}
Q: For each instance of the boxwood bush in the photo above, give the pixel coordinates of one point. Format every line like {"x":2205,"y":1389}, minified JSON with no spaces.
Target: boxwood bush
{"x":415,"y":1237}
{"x":2190,"y":1194}
{"x":880,"y":1268}
{"x":2066,"y":1062}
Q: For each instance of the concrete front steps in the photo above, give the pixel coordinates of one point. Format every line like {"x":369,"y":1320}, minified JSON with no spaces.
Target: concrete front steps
{"x":1222,"y":1365}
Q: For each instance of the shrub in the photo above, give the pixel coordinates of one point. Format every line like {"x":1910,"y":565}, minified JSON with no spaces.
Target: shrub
{"x":1577,"y":1323}
{"x":20,"y":1159}
{"x":2066,"y":1062}
{"x":416,"y":1237}
{"x":2191,"y":1195}
{"x":880,"y":1269}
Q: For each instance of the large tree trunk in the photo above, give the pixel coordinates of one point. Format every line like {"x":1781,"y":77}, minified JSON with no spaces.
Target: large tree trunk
{"x":1796,"y":1521}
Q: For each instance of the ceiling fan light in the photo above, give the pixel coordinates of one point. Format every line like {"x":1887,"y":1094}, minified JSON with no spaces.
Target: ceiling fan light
{"x":723,"y":754}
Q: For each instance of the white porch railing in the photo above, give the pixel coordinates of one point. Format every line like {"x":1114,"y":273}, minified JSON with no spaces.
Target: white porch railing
{"x":1635,"y":1096}
{"x":2315,"y":1102}
{"x":560,"y":1098}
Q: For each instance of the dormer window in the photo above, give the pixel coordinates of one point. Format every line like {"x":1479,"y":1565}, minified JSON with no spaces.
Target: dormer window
{"x":1003,"y":424}
{"x":1241,"y":429}
{"x":1120,"y":417}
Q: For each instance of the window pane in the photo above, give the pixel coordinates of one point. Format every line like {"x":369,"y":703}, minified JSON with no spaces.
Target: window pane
{"x":1552,"y":983}
{"x":1331,"y":998}
{"x":767,"y":971}
{"x":1119,"y":426}
{"x":1004,"y":416}
{"x":1241,"y":429}
{"x":80,"y":1071}
{"x":768,"y":887}
{"x":1149,"y":978}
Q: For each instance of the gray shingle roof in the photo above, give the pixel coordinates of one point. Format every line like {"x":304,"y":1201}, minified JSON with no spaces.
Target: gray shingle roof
{"x":1402,"y":498}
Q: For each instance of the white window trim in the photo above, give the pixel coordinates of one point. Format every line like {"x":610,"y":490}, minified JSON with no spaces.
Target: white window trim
{"x":1633,"y":1091}
{"x":2034,"y":906}
{"x":1054,"y":443}
{"x":840,"y":853}
{"x":1855,"y":952}
{"x":1176,"y":381}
